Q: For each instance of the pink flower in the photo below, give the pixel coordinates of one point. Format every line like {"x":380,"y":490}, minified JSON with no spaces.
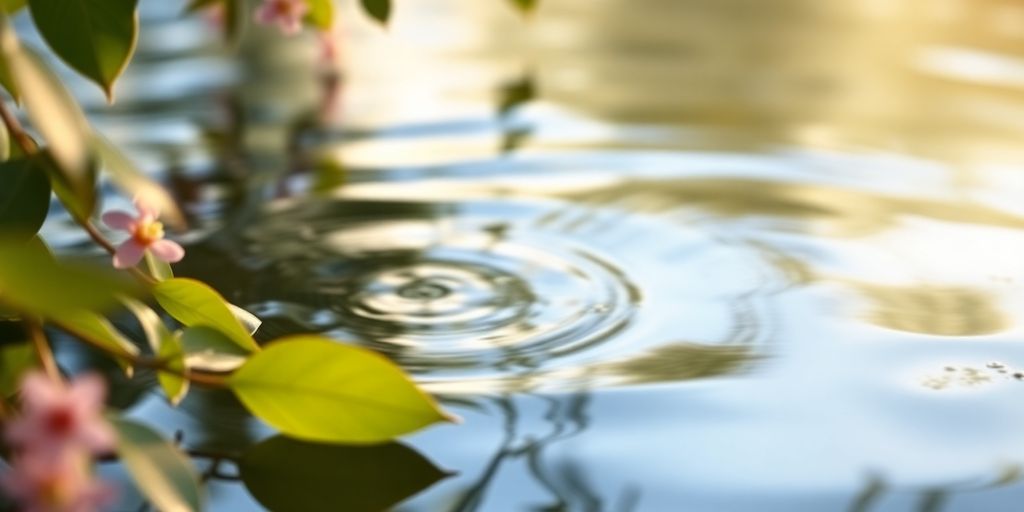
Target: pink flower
{"x":287,"y":14}
{"x":55,"y":416}
{"x":62,"y":485}
{"x":147,"y":233}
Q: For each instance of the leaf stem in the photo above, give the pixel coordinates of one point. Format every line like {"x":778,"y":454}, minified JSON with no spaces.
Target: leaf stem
{"x":46,"y":359}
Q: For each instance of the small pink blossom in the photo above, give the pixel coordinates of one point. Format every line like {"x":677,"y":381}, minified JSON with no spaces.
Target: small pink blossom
{"x":55,"y":416}
{"x":147,"y":233}
{"x":62,"y":485}
{"x":53,"y":440}
{"x":287,"y":14}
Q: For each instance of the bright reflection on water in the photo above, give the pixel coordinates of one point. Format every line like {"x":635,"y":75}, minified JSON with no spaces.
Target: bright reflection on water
{"x":742,"y":255}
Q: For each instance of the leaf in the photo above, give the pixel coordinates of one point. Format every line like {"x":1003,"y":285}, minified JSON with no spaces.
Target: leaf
{"x":135,"y":183}
{"x":93,"y":326}
{"x":79,"y":203}
{"x":193,"y":303}
{"x":379,"y":10}
{"x":152,"y":326}
{"x":287,"y":475}
{"x":159,"y":469}
{"x":321,"y":13}
{"x":5,"y":141}
{"x":248,"y":320}
{"x":15,"y":360}
{"x":175,"y":386}
{"x":526,"y":6}
{"x":54,"y":113}
{"x":95,"y":37}
{"x":317,"y":389}
{"x":33,"y":282}
{"x":11,"y":6}
{"x":159,"y":269}
{"x":207,"y":349}
{"x":515,"y":93}
{"x":24,"y":198}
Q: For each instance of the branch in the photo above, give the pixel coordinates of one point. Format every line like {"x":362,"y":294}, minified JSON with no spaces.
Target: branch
{"x":46,"y":359}
{"x":28,"y":146}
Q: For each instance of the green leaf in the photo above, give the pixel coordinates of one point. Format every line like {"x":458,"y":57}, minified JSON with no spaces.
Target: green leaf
{"x":159,"y":269}
{"x":249,"y":321}
{"x":207,"y":349}
{"x":135,"y":183}
{"x":152,"y":326}
{"x":15,"y":360}
{"x":160,"y":470}
{"x":54,"y":113}
{"x":175,"y":386}
{"x":11,"y":6}
{"x":526,"y":6}
{"x":80,"y":203}
{"x":287,"y":475}
{"x":317,"y":389}
{"x":379,"y":10}
{"x":193,"y":303}
{"x":33,"y":282}
{"x":321,"y":14}
{"x":95,"y":37}
{"x":24,"y":198}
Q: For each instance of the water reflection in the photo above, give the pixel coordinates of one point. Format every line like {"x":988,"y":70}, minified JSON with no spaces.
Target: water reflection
{"x":660,"y":254}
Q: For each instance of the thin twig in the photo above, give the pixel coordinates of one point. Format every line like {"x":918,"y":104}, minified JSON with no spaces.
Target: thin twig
{"x":21,"y":137}
{"x":46,"y":359}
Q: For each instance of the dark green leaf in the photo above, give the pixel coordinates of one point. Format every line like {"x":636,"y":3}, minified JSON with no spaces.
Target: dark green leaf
{"x":33,"y":282}
{"x":317,"y":389}
{"x":160,"y":470}
{"x":15,"y":360}
{"x":11,"y":6}
{"x":80,"y":202}
{"x":24,"y":198}
{"x":287,"y":475}
{"x":136,"y":183}
{"x":95,"y":37}
{"x":321,"y":13}
{"x":193,"y":303}
{"x":379,"y":10}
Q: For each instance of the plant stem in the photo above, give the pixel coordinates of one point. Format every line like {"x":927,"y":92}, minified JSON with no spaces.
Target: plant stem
{"x":46,"y":359}
{"x":202,"y":378}
{"x":27,"y":145}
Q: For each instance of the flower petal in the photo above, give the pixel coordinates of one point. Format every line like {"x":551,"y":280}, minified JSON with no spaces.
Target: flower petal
{"x":38,"y":392}
{"x":88,"y":391}
{"x":145,"y":208}
{"x":167,"y":250}
{"x":128,"y":254}
{"x":119,"y":220}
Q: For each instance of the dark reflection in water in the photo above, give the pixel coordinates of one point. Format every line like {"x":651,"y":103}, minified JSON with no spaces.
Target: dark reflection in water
{"x":660,"y":254}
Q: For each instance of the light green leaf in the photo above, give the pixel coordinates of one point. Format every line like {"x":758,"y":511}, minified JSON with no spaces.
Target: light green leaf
{"x":175,"y":386}
{"x":24,"y":197}
{"x":5,"y":141}
{"x":90,"y":325}
{"x":11,"y":6}
{"x":207,"y":349}
{"x":32,"y":281}
{"x":526,"y":6}
{"x":248,"y":320}
{"x":95,"y":37}
{"x":159,"y":269}
{"x":316,"y":389}
{"x":135,"y":183}
{"x":161,"y":471}
{"x":321,"y":14}
{"x":193,"y":303}
{"x":379,"y":10}
{"x":152,"y":326}
{"x":54,"y":113}
{"x":287,"y":475}
{"x":15,"y":360}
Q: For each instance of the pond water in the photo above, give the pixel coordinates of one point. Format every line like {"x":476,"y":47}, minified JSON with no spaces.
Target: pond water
{"x":658,"y":255}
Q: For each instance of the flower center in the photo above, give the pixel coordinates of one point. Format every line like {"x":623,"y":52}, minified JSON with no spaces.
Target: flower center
{"x":147,"y":232}
{"x":60,"y":421}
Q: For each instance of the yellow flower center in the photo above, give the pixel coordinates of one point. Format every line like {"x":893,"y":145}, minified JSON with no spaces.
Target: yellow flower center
{"x":147,"y":232}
